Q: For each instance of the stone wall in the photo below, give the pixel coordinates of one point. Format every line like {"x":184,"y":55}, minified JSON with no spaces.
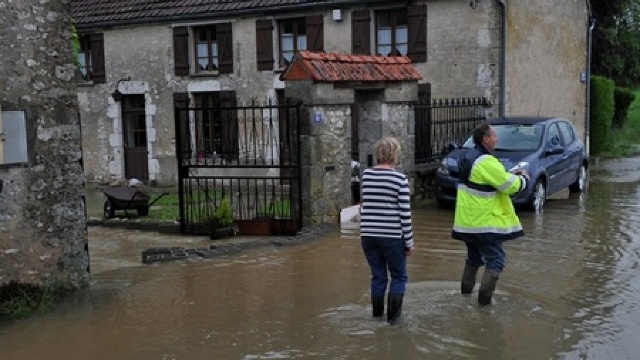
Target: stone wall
{"x":43,"y":235}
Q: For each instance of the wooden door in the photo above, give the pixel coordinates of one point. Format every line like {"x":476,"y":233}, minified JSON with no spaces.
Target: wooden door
{"x":134,"y":125}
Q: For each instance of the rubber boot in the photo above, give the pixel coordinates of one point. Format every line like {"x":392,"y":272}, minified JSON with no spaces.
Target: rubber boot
{"x":394,"y":308}
{"x":468,"y":279}
{"x":377,"y":304}
{"x":487,"y":286}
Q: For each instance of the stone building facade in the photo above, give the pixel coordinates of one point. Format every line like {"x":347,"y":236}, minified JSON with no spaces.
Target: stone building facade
{"x":526,"y":57}
{"x":43,"y":234}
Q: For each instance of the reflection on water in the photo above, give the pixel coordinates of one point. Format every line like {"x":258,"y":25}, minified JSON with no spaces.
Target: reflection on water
{"x":569,"y":290}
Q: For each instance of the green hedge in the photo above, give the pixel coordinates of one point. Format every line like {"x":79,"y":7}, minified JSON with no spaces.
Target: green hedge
{"x":623,"y":98}
{"x":602,"y":110}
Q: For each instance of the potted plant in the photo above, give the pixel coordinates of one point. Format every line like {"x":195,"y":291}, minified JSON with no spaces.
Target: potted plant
{"x":222,"y":223}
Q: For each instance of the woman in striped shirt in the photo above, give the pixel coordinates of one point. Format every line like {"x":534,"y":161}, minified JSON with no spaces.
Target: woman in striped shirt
{"x":385,"y":228}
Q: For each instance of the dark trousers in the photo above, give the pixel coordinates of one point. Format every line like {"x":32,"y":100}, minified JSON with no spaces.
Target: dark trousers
{"x":384,"y":256}
{"x":486,"y":253}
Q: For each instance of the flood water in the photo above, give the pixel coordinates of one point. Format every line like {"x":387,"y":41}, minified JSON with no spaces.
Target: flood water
{"x":571,"y":290}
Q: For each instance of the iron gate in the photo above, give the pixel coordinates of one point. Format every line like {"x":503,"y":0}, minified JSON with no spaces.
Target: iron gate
{"x":248,"y":154}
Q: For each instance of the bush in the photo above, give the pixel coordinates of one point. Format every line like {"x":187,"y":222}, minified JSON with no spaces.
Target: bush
{"x":601,"y":109}
{"x":623,"y":98}
{"x":224,"y":215}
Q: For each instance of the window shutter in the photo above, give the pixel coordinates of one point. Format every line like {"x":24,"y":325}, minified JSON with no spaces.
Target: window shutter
{"x":417,"y":19}
{"x":181,"y":50}
{"x":264,"y":43}
{"x":225,"y":41}
{"x":181,"y":101}
{"x":229,"y":125}
{"x":361,"y":32}
{"x":97,"y":57}
{"x":315,"y":33}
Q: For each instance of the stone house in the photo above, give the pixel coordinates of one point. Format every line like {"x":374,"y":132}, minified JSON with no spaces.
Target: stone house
{"x":137,"y":62}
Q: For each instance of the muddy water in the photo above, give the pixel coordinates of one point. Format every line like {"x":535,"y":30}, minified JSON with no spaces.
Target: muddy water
{"x":571,"y":290}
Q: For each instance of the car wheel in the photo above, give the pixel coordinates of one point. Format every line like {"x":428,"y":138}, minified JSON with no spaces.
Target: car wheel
{"x":538,"y":196}
{"x":581,"y":182}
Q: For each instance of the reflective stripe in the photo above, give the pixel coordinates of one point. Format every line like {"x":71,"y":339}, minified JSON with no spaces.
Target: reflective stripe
{"x":506,"y":185}
{"x":481,"y":230}
{"x":478,"y":193}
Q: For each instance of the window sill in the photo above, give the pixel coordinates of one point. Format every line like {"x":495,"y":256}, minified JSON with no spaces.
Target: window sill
{"x":85,"y":83}
{"x":204,"y":74}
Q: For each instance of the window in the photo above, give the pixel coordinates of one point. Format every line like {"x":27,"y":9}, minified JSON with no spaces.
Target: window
{"x":553,"y":136}
{"x":206,"y":48}
{"x":396,"y":32}
{"x":208,"y":137}
{"x":212,"y":49}
{"x":90,"y":60}
{"x":567,"y":132}
{"x":216,"y":125}
{"x":392,"y":33}
{"x":293,"y":37}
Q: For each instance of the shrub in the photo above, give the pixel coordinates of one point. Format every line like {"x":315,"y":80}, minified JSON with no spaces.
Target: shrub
{"x":623,"y":98}
{"x":602,"y":109}
{"x":224,"y":215}
{"x":21,"y":299}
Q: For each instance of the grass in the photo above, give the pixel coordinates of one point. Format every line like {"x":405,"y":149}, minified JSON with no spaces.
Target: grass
{"x":18,"y":300}
{"x":625,"y":141}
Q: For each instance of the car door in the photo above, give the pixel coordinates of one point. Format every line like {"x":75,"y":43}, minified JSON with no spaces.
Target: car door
{"x":573,"y":149}
{"x":556,"y":159}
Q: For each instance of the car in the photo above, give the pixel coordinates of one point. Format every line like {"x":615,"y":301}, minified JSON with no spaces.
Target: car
{"x":547,"y":147}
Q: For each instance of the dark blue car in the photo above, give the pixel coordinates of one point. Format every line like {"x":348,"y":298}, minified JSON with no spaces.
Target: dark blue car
{"x":548,"y":148}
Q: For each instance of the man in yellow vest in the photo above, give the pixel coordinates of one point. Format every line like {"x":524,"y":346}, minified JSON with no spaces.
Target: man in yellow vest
{"x":484,"y":215}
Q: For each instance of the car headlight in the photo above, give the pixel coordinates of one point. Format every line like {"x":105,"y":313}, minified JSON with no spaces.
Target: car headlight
{"x":443,"y":169}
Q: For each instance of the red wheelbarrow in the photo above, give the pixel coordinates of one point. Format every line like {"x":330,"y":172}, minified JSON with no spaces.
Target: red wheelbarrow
{"x":127,"y":198}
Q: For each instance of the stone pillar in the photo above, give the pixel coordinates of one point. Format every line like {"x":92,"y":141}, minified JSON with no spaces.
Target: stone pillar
{"x":326,"y":138}
{"x":43,"y":233}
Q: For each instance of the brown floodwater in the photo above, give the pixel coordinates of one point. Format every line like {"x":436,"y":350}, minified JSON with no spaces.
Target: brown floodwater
{"x":570,"y":290}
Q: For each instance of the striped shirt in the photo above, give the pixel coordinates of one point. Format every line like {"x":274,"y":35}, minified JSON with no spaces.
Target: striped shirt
{"x":386,"y":205}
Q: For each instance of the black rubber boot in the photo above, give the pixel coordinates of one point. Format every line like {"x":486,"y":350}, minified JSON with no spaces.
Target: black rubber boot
{"x":487,"y":286}
{"x":468,"y":279}
{"x":378,"y":306}
{"x":394,"y":308}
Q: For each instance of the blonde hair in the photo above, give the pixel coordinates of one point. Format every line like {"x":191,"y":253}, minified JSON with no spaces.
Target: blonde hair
{"x":387,"y":150}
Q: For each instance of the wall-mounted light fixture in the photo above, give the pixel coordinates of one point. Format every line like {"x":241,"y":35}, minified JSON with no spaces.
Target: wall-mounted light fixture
{"x":116,"y":94}
{"x":474,"y":3}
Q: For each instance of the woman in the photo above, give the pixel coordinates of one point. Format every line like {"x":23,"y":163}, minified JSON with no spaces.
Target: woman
{"x":385,"y":228}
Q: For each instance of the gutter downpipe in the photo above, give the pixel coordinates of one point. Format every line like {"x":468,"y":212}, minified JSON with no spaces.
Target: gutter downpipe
{"x":503,"y":57}
{"x":587,"y":112}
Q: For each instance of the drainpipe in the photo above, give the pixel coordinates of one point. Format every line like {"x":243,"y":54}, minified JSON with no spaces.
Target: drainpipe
{"x":503,"y":56}
{"x":587,"y":110}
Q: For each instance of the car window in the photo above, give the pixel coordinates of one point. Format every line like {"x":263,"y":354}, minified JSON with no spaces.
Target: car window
{"x":514,"y":137}
{"x":566,"y":131}
{"x":553,"y":136}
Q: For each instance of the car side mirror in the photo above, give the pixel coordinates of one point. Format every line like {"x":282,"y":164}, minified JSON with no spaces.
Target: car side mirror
{"x":452,"y":146}
{"x":554,"y":150}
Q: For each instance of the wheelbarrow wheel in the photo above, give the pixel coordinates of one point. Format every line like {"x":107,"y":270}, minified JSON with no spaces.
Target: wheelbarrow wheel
{"x":144,"y":211}
{"x":109,"y":212}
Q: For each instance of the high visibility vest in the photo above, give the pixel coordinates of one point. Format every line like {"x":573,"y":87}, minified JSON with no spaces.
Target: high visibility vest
{"x":483,"y":205}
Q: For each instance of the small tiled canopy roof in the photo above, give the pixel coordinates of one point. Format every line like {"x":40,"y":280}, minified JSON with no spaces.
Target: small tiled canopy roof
{"x":330,"y":67}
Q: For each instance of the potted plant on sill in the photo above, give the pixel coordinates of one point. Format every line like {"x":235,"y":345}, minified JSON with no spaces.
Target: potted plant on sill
{"x":222,"y":223}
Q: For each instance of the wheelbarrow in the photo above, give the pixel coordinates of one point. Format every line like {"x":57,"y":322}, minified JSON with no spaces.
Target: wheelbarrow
{"x":127,"y":198}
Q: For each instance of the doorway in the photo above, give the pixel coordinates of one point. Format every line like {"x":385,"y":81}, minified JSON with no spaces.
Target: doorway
{"x":134,"y":133}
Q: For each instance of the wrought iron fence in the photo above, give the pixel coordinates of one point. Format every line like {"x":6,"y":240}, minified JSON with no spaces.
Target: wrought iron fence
{"x":442,"y":122}
{"x":248,"y":154}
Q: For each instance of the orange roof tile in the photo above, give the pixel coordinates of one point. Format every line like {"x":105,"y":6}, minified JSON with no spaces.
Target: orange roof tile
{"x":331,"y":67}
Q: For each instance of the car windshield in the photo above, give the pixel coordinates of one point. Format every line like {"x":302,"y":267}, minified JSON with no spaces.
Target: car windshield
{"x":514,"y":137}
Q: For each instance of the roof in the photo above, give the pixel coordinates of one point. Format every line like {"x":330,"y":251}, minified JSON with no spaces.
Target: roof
{"x":520,"y":119}
{"x":88,"y":13}
{"x":331,"y":67}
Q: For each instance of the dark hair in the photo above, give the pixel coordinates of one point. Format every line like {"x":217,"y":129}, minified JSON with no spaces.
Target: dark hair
{"x":480,"y":132}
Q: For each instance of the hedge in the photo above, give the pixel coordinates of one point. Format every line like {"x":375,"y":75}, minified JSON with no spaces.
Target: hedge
{"x":601,"y":110}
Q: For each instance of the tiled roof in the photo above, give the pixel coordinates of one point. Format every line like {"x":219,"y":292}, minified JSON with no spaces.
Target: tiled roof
{"x":329,"y":67}
{"x":108,"y":12}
